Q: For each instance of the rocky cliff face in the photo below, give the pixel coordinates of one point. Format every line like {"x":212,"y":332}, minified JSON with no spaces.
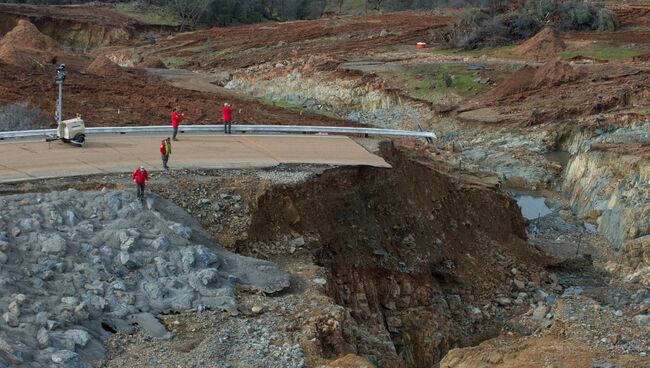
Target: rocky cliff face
{"x":608,"y":182}
{"x":304,"y":83}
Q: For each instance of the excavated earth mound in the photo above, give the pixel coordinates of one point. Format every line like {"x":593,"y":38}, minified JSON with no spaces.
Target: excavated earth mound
{"x":77,"y":266}
{"x":554,"y":73}
{"x":543,"y":45}
{"x":25,"y":34}
{"x":152,"y":62}
{"x":25,"y":46}
{"x":519,"y":82}
{"x":105,"y":67}
{"x":25,"y":57}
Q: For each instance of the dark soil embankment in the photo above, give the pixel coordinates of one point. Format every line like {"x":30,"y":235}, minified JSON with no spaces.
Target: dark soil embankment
{"x":78,"y":26}
{"x":529,"y":78}
{"x":416,"y":260}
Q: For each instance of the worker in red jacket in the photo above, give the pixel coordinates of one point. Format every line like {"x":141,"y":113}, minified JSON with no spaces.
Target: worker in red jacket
{"x":165,"y":151}
{"x":176,"y":121}
{"x":140,"y":177}
{"x":227,"y":118}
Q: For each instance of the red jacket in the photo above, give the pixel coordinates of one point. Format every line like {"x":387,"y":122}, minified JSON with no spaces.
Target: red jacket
{"x":176,"y":119}
{"x":140,"y":177}
{"x":227,"y":113}
{"x":164,"y":147}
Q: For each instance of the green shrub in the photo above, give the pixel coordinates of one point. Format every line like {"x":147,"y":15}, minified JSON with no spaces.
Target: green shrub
{"x":477,"y":28}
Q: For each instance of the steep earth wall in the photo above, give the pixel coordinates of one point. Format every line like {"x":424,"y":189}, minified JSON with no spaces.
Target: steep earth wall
{"x":406,"y":250}
{"x":78,"y":27}
{"x":608,"y":182}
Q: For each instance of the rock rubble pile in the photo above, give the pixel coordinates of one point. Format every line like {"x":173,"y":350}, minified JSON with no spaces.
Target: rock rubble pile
{"x":78,"y":266}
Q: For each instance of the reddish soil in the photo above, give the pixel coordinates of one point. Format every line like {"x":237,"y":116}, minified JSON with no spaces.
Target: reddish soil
{"x":105,"y":67}
{"x":96,"y":14}
{"x":542,"y":46}
{"x":551,"y":74}
{"x":87,"y":25}
{"x":152,"y":62}
{"x":25,"y":34}
{"x":631,"y":14}
{"x":26,"y":47}
{"x":134,"y":98}
{"x":243,"y":46}
{"x":532,"y":96}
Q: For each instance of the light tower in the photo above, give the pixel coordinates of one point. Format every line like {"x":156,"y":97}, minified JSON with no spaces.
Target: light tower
{"x":58,"y":80}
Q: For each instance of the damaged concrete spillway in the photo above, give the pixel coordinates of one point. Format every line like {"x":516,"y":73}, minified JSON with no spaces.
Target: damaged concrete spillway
{"x":412,"y":262}
{"x":76,"y":265}
{"x":414,"y":258}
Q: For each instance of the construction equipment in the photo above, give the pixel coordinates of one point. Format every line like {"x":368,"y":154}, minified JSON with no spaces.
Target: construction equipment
{"x":71,"y":130}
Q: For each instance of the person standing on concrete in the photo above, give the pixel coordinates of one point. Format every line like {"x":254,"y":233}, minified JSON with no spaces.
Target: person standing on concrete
{"x":227,"y":118}
{"x":140,"y":177}
{"x":176,"y":121}
{"x":165,"y":151}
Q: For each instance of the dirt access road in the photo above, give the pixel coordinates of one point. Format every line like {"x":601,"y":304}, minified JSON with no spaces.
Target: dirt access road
{"x":26,"y":160}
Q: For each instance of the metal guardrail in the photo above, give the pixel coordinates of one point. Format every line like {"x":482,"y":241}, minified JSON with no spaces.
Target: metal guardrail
{"x":235,"y":128}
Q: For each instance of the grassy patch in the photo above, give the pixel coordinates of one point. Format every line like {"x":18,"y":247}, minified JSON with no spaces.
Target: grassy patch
{"x":173,"y":62}
{"x":603,"y":52}
{"x":490,"y":51}
{"x":207,"y":45}
{"x":387,"y":49}
{"x":435,"y":82}
{"x":639,"y":28}
{"x":152,"y":15}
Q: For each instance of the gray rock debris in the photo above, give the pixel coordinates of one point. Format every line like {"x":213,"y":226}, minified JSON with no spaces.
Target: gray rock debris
{"x":78,"y":260}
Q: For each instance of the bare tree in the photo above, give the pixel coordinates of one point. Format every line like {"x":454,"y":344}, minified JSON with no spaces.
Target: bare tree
{"x":190,"y":11}
{"x":21,"y":116}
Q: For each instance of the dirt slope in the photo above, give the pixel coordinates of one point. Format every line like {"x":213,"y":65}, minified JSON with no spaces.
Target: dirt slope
{"x":243,"y":46}
{"x":24,"y":45}
{"x":542,"y":46}
{"x":104,"y":67}
{"x":551,"y":74}
{"x":25,"y":34}
{"x":136,"y":98}
{"x":152,"y":62}
{"x":79,"y":26}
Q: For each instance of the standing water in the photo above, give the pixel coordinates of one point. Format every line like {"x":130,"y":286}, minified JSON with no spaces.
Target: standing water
{"x":533,"y":207}
{"x":560,"y":157}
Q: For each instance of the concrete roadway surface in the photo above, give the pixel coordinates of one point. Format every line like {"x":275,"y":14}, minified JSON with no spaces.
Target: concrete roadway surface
{"x":27,"y":159}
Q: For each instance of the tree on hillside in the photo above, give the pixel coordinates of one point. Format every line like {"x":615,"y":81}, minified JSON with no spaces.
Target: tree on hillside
{"x":190,"y":11}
